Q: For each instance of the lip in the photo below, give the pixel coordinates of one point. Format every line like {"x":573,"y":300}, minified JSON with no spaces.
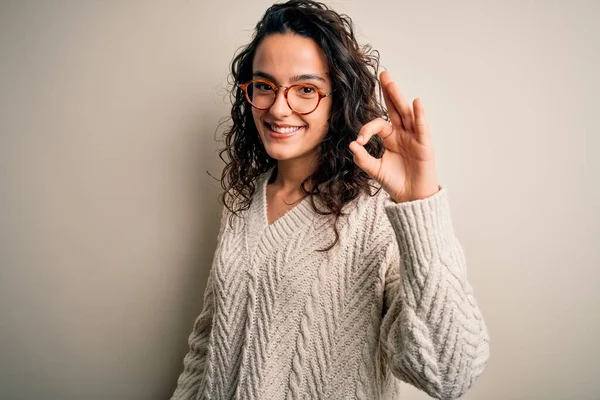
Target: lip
{"x":277,"y":135}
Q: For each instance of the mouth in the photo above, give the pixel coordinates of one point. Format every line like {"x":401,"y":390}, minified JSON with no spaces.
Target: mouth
{"x":282,"y":133}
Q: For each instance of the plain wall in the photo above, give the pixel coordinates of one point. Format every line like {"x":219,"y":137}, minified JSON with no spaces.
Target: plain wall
{"x":108,"y":218}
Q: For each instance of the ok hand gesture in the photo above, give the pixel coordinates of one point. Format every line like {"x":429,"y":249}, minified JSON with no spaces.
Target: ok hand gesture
{"x":406,"y":171}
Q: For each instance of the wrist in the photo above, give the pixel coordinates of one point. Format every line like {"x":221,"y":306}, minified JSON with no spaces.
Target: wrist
{"x":420,"y":195}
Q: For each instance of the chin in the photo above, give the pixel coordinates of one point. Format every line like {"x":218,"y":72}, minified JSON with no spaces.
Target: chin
{"x":281,"y":150}
{"x":295,"y":147}
{"x":280,"y":153}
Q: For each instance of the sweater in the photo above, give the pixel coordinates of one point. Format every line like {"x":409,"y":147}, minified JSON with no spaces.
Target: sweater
{"x":390,"y":302}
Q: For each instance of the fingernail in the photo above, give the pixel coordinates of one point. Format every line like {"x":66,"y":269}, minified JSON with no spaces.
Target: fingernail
{"x":360,"y":138}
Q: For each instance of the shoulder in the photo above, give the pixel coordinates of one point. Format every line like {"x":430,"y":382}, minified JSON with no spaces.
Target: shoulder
{"x":372,"y":204}
{"x":366,"y":215}
{"x":235,"y":214}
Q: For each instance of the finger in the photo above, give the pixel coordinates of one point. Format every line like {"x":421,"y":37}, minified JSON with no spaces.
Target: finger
{"x":364,"y":160}
{"x":378,"y":126}
{"x":421,"y":124}
{"x":400,"y":103}
{"x":402,"y":106}
{"x":394,"y":115}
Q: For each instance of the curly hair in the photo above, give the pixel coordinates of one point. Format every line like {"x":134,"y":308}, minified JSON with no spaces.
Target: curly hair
{"x":337,"y":180}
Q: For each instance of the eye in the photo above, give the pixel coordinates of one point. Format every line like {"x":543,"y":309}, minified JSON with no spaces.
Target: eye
{"x":307,"y":90}
{"x":262,"y":86}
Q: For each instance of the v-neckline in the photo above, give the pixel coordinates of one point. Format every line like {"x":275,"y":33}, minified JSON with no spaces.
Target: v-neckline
{"x":262,"y":237}
{"x":302,"y":207}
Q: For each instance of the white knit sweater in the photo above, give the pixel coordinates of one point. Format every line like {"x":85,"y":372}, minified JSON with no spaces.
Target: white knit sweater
{"x":390,"y":300}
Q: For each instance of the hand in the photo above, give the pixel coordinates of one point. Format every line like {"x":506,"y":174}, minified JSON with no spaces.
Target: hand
{"x":407,"y":168}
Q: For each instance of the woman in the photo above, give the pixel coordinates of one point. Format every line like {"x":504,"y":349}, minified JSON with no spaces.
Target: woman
{"x":337,"y":272}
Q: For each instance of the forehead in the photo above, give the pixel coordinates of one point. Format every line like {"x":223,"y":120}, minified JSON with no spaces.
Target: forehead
{"x":286,"y":55}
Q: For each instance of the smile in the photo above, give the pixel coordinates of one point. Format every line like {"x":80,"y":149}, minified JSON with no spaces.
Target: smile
{"x":280,"y":133}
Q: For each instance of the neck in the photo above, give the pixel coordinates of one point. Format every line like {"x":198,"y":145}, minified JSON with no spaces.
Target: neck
{"x":291,"y":174}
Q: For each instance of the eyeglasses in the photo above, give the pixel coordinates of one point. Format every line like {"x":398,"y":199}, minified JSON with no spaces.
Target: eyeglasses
{"x":302,"y":98}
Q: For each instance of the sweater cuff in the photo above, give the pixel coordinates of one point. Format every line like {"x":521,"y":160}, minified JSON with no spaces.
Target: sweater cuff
{"x":423,"y":227}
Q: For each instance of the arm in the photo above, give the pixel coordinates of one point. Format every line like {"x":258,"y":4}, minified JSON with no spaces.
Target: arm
{"x":194,"y":361}
{"x":432,"y":331}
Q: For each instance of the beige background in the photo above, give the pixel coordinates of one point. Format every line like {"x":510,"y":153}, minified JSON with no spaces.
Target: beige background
{"x":108,"y":219}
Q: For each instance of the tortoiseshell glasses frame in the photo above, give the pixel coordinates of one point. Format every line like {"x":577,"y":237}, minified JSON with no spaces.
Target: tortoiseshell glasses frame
{"x":276,"y":88}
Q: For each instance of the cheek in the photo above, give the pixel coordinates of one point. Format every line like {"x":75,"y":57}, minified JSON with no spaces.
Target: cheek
{"x":256,"y":116}
{"x":320,"y":121}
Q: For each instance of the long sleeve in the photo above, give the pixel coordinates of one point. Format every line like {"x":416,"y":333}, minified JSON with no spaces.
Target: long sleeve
{"x":194,"y":361}
{"x":432,"y":333}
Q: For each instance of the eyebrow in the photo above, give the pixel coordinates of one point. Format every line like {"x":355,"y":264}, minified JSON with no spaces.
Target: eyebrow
{"x":293,"y":79}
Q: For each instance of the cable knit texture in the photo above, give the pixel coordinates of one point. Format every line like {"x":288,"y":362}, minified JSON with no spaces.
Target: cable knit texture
{"x":390,"y":302}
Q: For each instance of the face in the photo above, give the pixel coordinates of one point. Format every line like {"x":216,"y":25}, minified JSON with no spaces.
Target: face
{"x":280,"y":58}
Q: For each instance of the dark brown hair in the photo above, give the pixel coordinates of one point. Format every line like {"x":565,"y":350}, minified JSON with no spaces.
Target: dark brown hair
{"x":337,"y":180}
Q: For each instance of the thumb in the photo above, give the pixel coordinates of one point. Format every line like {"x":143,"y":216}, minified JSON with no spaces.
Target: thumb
{"x":364,"y":160}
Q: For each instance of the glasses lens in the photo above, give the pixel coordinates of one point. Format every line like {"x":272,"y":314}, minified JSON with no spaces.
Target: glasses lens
{"x":261,"y":94}
{"x":303,"y":98}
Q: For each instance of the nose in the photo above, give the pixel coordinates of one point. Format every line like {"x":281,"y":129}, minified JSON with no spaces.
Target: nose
{"x":280,"y":107}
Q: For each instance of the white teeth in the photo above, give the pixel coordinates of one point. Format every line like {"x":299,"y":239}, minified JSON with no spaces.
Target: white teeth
{"x":284,"y":130}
